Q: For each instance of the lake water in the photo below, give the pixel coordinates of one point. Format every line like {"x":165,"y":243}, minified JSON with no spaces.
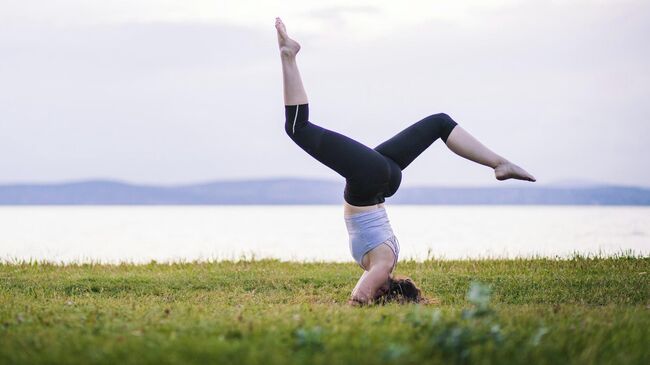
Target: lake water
{"x":308,"y":233}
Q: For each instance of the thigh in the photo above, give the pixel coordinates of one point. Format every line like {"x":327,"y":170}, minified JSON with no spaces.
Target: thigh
{"x":348,"y":157}
{"x":408,"y":144}
{"x":352,"y":159}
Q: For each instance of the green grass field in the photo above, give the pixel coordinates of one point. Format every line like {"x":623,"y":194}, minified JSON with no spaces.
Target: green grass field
{"x":540,"y":311}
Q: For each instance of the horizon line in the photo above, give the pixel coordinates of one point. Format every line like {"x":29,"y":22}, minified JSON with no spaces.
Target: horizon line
{"x":563,"y":183}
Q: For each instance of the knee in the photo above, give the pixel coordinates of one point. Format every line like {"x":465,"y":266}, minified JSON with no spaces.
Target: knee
{"x":440,"y":118}
{"x":296,"y":117}
{"x":288,"y":128}
{"x":443,"y":123}
{"x":294,"y":129}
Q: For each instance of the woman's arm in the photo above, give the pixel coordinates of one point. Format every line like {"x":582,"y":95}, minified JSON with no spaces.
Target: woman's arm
{"x":372,"y":284}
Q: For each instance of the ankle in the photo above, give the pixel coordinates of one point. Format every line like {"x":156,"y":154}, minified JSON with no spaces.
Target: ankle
{"x":499,"y":162}
{"x":287,"y":55}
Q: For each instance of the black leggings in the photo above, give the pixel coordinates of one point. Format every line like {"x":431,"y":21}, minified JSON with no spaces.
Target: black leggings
{"x":370,"y":174}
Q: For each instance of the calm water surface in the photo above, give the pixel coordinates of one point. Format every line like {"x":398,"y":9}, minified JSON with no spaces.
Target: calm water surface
{"x":307,"y":233}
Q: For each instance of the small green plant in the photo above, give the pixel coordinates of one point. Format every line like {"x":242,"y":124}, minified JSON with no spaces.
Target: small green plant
{"x":536,"y":339}
{"x":478,"y":295}
{"x":394,"y":352}
{"x":455,"y":338}
{"x":309,"y":339}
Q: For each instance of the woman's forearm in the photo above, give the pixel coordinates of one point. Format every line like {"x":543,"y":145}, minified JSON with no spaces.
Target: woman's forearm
{"x":369,"y":283}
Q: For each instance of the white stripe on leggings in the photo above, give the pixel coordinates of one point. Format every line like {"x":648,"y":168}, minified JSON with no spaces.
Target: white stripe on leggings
{"x":294,"y":120}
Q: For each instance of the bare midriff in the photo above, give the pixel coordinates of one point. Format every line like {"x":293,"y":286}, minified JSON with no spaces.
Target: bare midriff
{"x":381,"y":253}
{"x":349,"y":209}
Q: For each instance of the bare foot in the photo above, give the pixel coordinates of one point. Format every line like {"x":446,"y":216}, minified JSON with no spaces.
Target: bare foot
{"x":508,"y":170}
{"x":288,"y":47}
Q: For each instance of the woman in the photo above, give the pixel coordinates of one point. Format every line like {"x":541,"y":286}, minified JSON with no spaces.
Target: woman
{"x":374,"y":174}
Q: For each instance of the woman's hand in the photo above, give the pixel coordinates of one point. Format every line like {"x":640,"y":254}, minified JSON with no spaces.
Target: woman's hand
{"x":355,"y":303}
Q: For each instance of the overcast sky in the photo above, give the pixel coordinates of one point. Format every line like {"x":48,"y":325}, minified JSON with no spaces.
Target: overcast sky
{"x":168,"y":92}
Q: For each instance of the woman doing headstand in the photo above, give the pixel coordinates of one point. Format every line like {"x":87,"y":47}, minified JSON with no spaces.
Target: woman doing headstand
{"x":371,"y":175}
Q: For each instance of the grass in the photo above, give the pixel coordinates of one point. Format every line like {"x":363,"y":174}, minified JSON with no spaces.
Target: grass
{"x":525,"y":311}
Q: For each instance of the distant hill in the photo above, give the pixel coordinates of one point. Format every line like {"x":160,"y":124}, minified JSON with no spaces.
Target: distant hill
{"x":306,"y":191}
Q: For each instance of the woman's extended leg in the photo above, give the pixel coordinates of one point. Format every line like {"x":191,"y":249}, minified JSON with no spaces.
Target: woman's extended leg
{"x":349,"y":158}
{"x":464,"y":144}
{"x":408,"y":144}
{"x":294,"y":92}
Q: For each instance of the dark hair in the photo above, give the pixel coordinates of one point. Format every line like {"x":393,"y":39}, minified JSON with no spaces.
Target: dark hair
{"x":402,"y":289}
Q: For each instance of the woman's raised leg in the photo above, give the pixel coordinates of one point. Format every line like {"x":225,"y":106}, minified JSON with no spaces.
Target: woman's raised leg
{"x":294,"y":91}
{"x":465,"y":145}
{"x":408,"y":144}
{"x":351,"y":159}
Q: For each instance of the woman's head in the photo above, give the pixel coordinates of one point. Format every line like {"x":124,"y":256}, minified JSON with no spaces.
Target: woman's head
{"x":401,"y":289}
